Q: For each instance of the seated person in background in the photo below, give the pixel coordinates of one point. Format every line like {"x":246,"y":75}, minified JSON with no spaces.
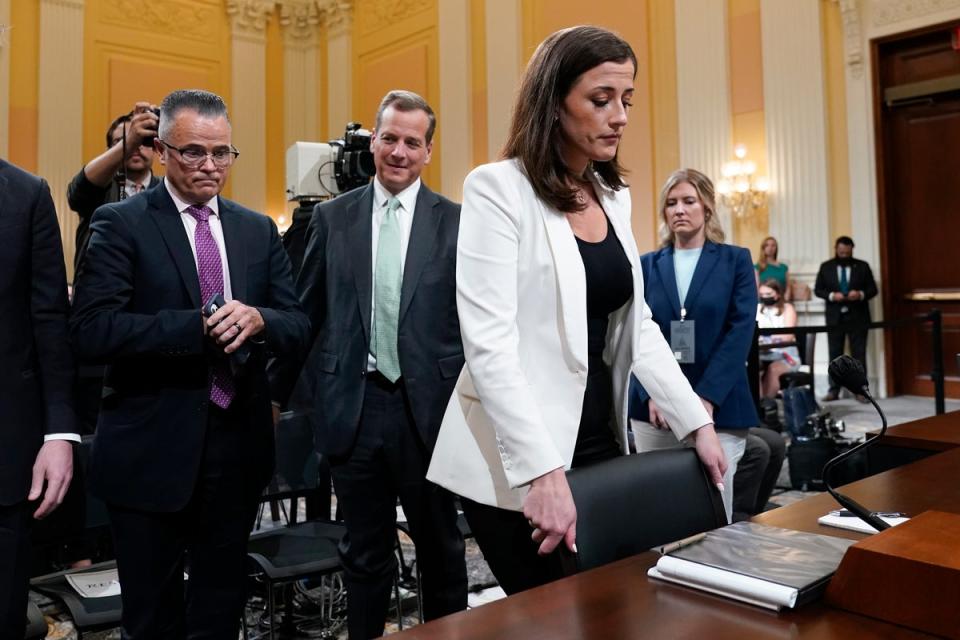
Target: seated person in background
{"x":774,"y":313}
{"x":97,"y":183}
{"x":757,"y":472}
{"x":769,"y":268}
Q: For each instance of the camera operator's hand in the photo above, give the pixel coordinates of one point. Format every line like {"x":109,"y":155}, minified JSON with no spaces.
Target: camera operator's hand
{"x":233,"y":324}
{"x":142,"y":125}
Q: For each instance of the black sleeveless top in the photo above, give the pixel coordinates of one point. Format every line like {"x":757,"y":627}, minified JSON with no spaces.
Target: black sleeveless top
{"x":609,"y":286}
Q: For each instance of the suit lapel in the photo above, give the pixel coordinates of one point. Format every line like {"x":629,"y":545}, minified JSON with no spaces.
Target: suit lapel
{"x":4,"y":205}
{"x":423,"y":234}
{"x":231,"y":223}
{"x":571,"y":282}
{"x":668,"y":278}
{"x":161,"y":208}
{"x":706,"y":263}
{"x":360,"y":216}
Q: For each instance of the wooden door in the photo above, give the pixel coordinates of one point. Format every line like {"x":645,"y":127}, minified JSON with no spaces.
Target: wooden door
{"x":918,"y":107}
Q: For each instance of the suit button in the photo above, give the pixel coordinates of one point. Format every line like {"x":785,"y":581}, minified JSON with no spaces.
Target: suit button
{"x":363,"y":374}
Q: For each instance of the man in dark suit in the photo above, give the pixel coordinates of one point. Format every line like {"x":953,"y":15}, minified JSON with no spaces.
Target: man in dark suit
{"x":184,"y":442}
{"x":36,"y":373}
{"x":378,"y":283}
{"x":847,"y":285}
{"x":130,"y":146}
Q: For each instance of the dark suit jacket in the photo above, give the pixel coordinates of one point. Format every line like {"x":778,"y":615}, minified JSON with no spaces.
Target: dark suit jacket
{"x":36,"y":367}
{"x":722,"y":300}
{"x":335,"y":289}
{"x":861,"y":279}
{"x":137,"y":309}
{"x":84,"y":198}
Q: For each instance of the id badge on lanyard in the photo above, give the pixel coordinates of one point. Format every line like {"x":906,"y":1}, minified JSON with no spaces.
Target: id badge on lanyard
{"x":682,"y":338}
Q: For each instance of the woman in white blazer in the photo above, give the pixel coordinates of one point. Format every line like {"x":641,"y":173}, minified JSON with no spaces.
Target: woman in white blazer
{"x":547,"y":277}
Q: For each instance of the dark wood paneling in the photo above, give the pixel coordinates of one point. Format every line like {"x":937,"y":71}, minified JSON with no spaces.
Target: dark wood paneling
{"x":918,"y":158}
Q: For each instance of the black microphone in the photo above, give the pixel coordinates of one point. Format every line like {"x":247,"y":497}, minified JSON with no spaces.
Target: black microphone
{"x":849,"y":373}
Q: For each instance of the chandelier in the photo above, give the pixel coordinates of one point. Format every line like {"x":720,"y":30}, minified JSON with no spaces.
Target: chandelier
{"x":740,"y":192}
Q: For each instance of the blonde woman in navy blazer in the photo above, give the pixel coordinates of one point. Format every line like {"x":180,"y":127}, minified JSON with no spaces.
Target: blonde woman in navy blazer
{"x":720,"y":299}
{"x":547,"y":368}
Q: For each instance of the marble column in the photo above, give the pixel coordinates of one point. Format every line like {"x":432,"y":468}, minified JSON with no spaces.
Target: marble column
{"x":59,"y":127}
{"x":505,"y":64}
{"x":300,"y":22}
{"x":337,"y":15}
{"x":248,"y":102}
{"x":454,"y":113}
{"x":703,"y":92}
{"x":796,"y":132}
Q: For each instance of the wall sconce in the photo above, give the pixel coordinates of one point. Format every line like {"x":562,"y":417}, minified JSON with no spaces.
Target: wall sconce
{"x":739,"y":190}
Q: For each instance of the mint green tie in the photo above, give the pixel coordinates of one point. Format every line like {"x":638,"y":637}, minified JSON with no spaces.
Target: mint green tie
{"x":386,"y":294}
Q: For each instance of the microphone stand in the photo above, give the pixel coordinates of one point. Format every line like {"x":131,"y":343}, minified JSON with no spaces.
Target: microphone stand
{"x":847,"y":502}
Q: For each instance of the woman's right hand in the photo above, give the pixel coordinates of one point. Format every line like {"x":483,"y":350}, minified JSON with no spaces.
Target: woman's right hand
{"x":657,"y":419}
{"x":551,"y":513}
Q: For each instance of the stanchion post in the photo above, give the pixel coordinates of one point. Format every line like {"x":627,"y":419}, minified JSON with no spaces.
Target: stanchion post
{"x":936,"y":318}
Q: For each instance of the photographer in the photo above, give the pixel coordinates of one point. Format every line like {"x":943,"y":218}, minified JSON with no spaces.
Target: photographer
{"x":97,"y":183}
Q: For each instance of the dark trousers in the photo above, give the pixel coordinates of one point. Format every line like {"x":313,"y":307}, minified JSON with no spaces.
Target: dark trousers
{"x":14,"y":568}
{"x":858,"y":341}
{"x":504,"y":536}
{"x":210,"y":534}
{"x":757,"y":472}
{"x":389,"y":460}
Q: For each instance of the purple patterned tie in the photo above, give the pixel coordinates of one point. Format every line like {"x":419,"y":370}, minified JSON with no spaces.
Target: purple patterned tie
{"x":210,"y":271}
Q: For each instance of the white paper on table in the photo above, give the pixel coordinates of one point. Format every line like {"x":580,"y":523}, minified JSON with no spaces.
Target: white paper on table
{"x":754,"y":591}
{"x":853,"y":523}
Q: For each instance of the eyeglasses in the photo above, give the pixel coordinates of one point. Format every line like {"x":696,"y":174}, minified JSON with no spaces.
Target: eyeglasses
{"x":194,"y":157}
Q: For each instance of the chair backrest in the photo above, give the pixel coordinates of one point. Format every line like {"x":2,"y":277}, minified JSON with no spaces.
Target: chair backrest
{"x":630,"y":504}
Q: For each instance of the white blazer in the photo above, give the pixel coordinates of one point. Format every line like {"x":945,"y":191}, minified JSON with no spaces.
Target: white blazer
{"x":522,"y":302}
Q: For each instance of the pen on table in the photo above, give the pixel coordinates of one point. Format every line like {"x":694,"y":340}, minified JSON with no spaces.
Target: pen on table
{"x":679,"y":544}
{"x":843,"y":513}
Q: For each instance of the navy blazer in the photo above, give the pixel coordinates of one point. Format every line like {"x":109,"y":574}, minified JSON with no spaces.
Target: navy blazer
{"x":335,"y":285}
{"x":137,"y":309}
{"x":722,"y":300}
{"x":36,"y":366}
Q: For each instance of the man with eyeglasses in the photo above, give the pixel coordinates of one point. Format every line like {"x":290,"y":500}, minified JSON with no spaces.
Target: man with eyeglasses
{"x":184,"y":441}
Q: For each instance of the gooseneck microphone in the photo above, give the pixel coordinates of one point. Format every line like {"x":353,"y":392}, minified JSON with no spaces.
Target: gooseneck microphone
{"x":849,"y":373}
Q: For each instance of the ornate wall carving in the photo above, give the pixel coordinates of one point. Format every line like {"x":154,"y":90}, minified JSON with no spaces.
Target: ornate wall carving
{"x":890,"y":11}
{"x":336,"y":15}
{"x":853,"y":40}
{"x":378,"y":14}
{"x":249,"y":18}
{"x":182,"y":19}
{"x":299,"y":20}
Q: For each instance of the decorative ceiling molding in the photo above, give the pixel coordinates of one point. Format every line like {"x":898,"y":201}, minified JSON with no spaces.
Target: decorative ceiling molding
{"x":378,"y":14}
{"x":183,"y":19}
{"x":249,"y":18}
{"x":853,"y":37}
{"x":891,"y":11}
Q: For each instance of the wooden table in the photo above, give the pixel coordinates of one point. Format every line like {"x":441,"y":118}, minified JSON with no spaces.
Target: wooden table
{"x":914,"y":440}
{"x":618,"y":601}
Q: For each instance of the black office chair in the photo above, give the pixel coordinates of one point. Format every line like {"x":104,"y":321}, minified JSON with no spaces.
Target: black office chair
{"x":631,"y":504}
{"x":802,"y":377}
{"x":287,"y":556}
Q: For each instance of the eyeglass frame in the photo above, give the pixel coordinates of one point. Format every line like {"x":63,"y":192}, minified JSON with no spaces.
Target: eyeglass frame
{"x":232,"y":153}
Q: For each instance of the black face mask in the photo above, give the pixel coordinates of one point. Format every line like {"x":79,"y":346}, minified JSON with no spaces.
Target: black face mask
{"x":768,"y":301}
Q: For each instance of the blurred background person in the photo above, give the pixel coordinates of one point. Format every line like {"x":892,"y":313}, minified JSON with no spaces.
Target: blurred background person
{"x":769,"y":266}
{"x":847,"y":285}
{"x":773,"y":312}
{"x":129,"y":146}
{"x":703,"y":296}
{"x":548,"y":283}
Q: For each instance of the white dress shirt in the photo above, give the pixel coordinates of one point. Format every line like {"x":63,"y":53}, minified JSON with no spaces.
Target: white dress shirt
{"x":408,"y":203}
{"x":216,"y":229}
